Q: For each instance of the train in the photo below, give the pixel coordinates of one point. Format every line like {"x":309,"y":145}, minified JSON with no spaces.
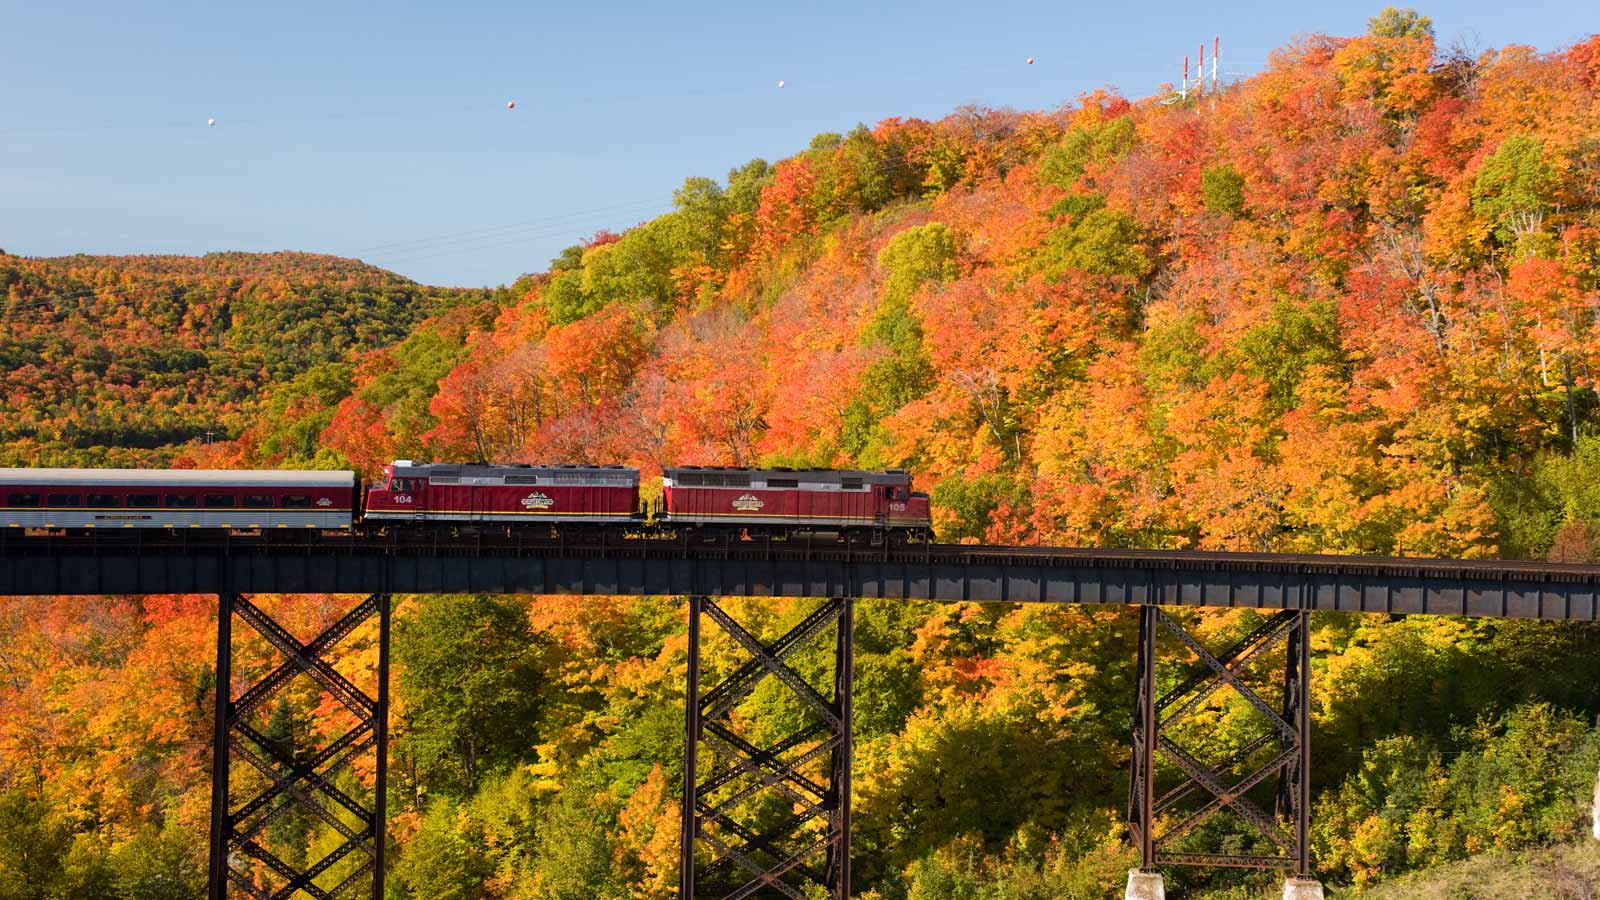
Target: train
{"x":724,"y":502}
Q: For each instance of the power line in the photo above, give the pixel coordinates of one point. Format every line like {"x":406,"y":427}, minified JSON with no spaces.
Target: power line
{"x":466,"y":241}
{"x":418,"y":249}
{"x":383,"y":248}
{"x":410,"y":251}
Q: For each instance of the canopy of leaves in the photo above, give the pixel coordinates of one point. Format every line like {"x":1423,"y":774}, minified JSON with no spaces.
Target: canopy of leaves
{"x":1347,"y":305}
{"x":127,"y":359}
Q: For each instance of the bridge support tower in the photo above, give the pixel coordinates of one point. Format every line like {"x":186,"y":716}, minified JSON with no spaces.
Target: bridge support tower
{"x":1265,"y":784}
{"x":769,"y":818}
{"x":280,"y":779}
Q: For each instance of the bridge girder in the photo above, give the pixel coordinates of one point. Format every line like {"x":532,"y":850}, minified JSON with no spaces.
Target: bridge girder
{"x":1276,"y":764}
{"x":294,"y":563}
{"x":292,"y":778}
{"x":805,"y":775}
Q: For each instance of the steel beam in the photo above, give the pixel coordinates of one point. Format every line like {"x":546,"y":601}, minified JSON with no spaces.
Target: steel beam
{"x":116,"y":563}
{"x":691,"y":744}
{"x":380,"y":715}
{"x":1141,"y":788}
{"x":733,"y":812}
{"x":296,"y":778}
{"x":1279,"y":759}
{"x":217,"y":881}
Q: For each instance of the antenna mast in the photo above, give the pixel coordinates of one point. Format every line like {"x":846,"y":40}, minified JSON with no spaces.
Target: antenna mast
{"x":1199,"y":83}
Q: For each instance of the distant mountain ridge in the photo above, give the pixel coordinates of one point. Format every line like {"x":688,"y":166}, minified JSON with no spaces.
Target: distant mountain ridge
{"x":130,"y":359}
{"x":294,"y":264}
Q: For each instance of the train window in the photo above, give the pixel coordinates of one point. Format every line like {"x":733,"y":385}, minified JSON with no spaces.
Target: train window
{"x":522,"y":479}
{"x":181,"y":501}
{"x":144,"y":501}
{"x":104,"y":501}
{"x":783,"y":482}
{"x":59,"y":501}
{"x":23,"y":500}
{"x":257,"y":501}
{"x":850,"y":484}
{"x":297,"y":501}
{"x":219,"y":501}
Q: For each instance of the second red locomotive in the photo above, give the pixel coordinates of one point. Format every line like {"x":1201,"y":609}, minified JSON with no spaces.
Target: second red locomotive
{"x":808,"y":500}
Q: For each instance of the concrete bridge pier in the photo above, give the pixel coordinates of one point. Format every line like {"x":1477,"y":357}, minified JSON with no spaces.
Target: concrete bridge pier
{"x":1302,"y":889}
{"x":1144,"y":885}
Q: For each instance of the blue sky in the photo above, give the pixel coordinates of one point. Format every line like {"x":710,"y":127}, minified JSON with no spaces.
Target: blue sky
{"x":382,"y":132}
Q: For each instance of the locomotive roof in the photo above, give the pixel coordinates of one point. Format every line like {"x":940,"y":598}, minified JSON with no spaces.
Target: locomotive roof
{"x":181,"y":477}
{"x":807,"y":476}
{"x":479,"y":470}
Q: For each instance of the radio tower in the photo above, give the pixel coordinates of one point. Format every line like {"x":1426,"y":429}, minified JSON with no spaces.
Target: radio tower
{"x":1200,"y":72}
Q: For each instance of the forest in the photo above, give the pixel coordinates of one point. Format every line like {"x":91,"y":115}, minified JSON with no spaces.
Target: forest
{"x":126,"y":360}
{"x":1346,"y":305}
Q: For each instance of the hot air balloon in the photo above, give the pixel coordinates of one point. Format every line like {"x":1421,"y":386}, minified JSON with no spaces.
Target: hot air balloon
{"x":211,"y":121}
{"x":1030,"y":60}
{"x":511,"y":104}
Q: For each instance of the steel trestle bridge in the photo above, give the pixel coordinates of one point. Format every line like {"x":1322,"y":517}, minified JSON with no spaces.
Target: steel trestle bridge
{"x":1265,"y":785}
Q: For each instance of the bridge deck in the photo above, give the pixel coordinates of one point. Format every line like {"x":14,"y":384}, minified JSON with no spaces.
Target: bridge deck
{"x":192,"y":562}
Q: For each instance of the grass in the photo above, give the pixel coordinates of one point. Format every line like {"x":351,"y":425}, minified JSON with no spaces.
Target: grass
{"x":1564,"y":872}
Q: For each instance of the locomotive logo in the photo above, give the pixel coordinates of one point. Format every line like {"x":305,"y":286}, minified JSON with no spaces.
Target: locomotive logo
{"x":537,"y":500}
{"x":748,"y":503}
{"x":324,"y":501}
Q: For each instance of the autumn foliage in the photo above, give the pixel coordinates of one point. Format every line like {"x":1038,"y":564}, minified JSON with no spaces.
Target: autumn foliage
{"x":1347,"y":305}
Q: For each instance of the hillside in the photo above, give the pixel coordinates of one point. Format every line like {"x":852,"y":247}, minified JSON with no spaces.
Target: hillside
{"x":1347,"y":305}
{"x":131,"y":359}
{"x":1329,"y":309}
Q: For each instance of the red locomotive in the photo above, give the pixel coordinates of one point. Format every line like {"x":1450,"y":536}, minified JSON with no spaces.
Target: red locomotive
{"x":794,"y":500}
{"x":412,"y":492}
{"x":705,"y":501}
